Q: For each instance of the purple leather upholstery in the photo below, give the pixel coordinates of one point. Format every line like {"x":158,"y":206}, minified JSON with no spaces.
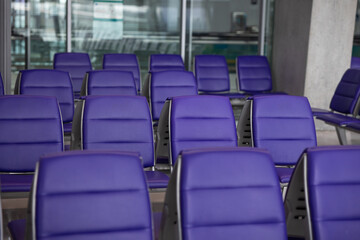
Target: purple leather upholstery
{"x":164,"y":62}
{"x":200,"y":121}
{"x":354,"y":125}
{"x":336,"y":119}
{"x":17,"y":229}
{"x":219,"y":197}
{"x":123,"y":62}
{"x":48,"y":82}
{"x":333,"y":183}
{"x":355,"y":62}
{"x":109,"y":82}
{"x":284,"y":125}
{"x":16,"y":182}
{"x":77,"y":64}
{"x":346,"y":94}
{"x":107,"y":199}
{"x":121,"y":123}
{"x":212,"y":73}
{"x":253,"y":73}
{"x":169,"y":84}
{"x":1,"y":86}
{"x":30,"y":126}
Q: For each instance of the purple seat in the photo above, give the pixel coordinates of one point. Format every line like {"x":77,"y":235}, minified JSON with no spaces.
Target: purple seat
{"x":123,"y":62}
{"x":212,"y":75}
{"x":77,"y":64}
{"x":327,"y":209}
{"x":213,"y":194}
{"x":1,"y":86}
{"x":165,"y":62}
{"x":345,"y":98}
{"x":48,"y":82}
{"x":355,"y":62}
{"x":284,"y":125}
{"x":253,"y":73}
{"x":168,"y":84}
{"x":200,"y":121}
{"x":17,"y":229}
{"x":108,"y":82}
{"x":30,"y":127}
{"x":107,"y":199}
{"x":118,"y":123}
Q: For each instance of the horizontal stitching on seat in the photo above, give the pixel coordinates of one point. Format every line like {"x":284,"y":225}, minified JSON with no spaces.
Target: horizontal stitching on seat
{"x":235,"y":224}
{"x":200,"y":118}
{"x":56,"y":194}
{"x":41,"y":142}
{"x":118,"y":119}
{"x":228,"y":188}
{"x":346,"y":96}
{"x":335,"y":184}
{"x":96,"y":232}
{"x":284,"y":139}
{"x":27,"y":119}
{"x":174,"y":86}
{"x":26,"y":87}
{"x":204,"y":140}
{"x":113,"y":86}
{"x":120,"y":142}
{"x":337,"y":219}
{"x":264,"y":117}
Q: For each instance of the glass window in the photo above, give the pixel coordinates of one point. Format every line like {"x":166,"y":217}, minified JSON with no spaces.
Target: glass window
{"x":142,"y":27}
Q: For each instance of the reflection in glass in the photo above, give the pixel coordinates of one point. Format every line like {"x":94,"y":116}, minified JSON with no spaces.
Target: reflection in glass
{"x":38,"y":31}
{"x":229,"y":28}
{"x":142,"y":27}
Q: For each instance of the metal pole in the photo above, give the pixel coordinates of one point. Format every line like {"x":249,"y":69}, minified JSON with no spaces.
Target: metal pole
{"x":68,"y":26}
{"x":183,"y":29}
{"x":190,"y":33}
{"x":262,"y":27}
{"x":5,"y":43}
{"x":28,"y":36}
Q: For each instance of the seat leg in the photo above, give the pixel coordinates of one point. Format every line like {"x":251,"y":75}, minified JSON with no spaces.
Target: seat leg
{"x":341,"y":133}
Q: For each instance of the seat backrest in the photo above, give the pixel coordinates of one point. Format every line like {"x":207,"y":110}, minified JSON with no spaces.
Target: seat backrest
{"x":355,"y":62}
{"x":333,"y":185}
{"x":347,"y":93}
{"x":108,"y":82}
{"x":48,"y":82}
{"x":212,"y":73}
{"x":237,"y":205}
{"x":164,"y":62}
{"x":30,"y":126}
{"x":118,"y":123}
{"x":77,"y":64}
{"x":169,"y":84}
{"x":1,"y":86}
{"x":284,"y":125}
{"x":107,"y":199}
{"x":200,"y":121}
{"x":326,"y":209}
{"x":253,"y":73}
{"x":123,"y":62}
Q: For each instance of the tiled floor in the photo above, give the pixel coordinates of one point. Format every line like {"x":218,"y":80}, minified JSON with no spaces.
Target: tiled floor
{"x":15,"y":208}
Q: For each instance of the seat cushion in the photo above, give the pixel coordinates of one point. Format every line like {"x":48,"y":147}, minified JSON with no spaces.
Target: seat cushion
{"x":16,"y":182}
{"x":335,"y":118}
{"x":17,"y":229}
{"x":156,"y":179}
{"x":284,"y":174}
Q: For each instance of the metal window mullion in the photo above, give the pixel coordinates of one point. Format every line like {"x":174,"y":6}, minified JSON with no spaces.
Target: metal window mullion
{"x":262,"y":23}
{"x":68,"y":26}
{"x":5,"y":43}
{"x":183,"y":29}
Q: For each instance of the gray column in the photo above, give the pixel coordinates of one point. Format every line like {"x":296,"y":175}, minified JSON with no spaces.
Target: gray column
{"x":5,"y":43}
{"x":312,"y":46}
